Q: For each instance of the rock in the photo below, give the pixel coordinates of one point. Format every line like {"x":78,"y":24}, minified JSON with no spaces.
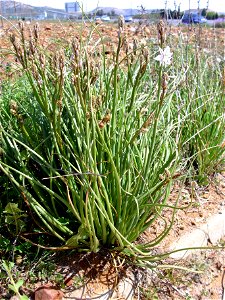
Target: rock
{"x":213,"y":230}
{"x":215,"y":227}
{"x":125,"y":289}
{"x":48,"y":293}
{"x":196,"y":238}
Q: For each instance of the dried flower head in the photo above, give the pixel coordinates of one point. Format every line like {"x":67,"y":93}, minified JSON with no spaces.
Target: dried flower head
{"x":36,"y":32}
{"x":121,"y":23}
{"x":135,"y":45}
{"x":13,"y":107}
{"x":42,"y":60}
{"x":21,"y":26}
{"x":223,"y":80}
{"x":32,"y":47}
{"x":147,"y":123}
{"x":101,"y":124}
{"x":165,"y":79}
{"x":107,"y":117}
{"x":161,"y":32}
{"x":223,"y":144}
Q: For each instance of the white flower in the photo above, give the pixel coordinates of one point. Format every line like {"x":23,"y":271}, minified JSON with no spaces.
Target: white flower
{"x":165,"y":56}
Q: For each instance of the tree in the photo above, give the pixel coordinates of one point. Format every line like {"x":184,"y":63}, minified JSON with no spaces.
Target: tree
{"x":204,"y":12}
{"x":212,"y":15}
{"x":100,"y":13}
{"x":112,"y":13}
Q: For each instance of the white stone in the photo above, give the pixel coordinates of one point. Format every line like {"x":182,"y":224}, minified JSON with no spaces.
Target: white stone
{"x":196,"y":238}
{"x":215,"y":227}
{"x":124,"y":290}
{"x":213,"y":230}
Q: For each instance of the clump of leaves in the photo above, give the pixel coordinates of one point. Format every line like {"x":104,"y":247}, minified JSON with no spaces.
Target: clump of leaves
{"x":14,"y":217}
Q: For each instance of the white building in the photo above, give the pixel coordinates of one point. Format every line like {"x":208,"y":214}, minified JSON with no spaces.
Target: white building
{"x":72,"y":7}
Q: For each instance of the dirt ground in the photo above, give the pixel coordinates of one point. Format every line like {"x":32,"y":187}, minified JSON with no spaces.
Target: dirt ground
{"x":54,"y":35}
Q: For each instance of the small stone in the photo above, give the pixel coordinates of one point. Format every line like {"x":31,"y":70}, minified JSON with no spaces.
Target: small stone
{"x":69,"y":282}
{"x":19,"y":260}
{"x":48,"y":293}
{"x":205,"y":196}
{"x":219,"y":265}
{"x":196,"y":278}
{"x":222,"y":184}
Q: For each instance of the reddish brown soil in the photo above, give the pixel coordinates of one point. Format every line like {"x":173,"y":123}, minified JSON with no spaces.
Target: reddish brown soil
{"x":54,"y":35}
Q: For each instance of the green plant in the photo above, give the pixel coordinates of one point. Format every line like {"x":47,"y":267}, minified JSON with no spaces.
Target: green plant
{"x":15,"y":285}
{"x":203,"y":118}
{"x":92,"y":157}
{"x":90,"y":142}
{"x":211,"y":15}
{"x":149,"y":294}
{"x":13,"y":216}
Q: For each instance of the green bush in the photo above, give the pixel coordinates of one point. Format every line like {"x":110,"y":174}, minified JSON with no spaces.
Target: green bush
{"x":88,"y":151}
{"x":90,"y":144}
{"x":211,"y":15}
{"x":201,"y":110}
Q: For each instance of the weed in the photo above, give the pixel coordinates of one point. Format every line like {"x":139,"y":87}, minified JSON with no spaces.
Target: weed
{"x":14,"y":285}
